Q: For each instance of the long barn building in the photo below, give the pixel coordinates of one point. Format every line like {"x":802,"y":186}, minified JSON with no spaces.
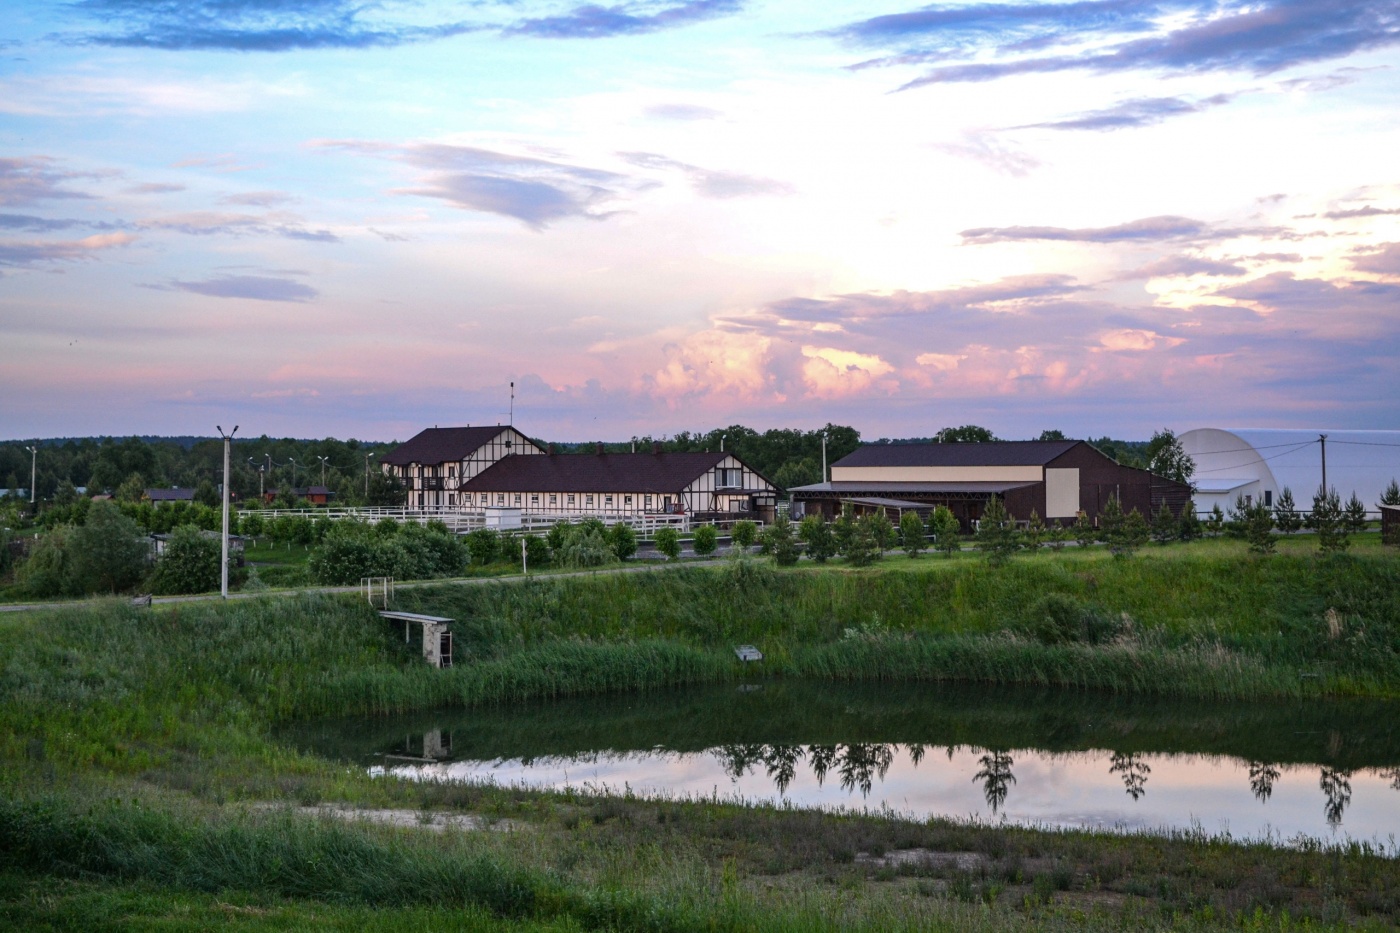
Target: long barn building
{"x":1056,"y":479}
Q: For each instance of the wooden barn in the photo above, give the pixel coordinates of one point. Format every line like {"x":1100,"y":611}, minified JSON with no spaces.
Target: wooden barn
{"x":1056,"y":479}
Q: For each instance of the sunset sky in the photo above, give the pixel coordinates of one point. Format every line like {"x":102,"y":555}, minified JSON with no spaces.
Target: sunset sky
{"x":321,"y":217}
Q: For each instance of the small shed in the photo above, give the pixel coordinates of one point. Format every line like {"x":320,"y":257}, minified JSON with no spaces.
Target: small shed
{"x":1390,"y":524}
{"x":437,"y":640}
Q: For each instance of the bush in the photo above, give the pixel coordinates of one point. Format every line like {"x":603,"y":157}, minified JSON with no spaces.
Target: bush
{"x":1259,"y":528}
{"x":779,"y":541}
{"x":584,"y":545}
{"x":1165,"y":526}
{"x":46,"y":572}
{"x":883,"y":531}
{"x":943,"y":526}
{"x":706,"y":540}
{"x":537,"y":552}
{"x":1189,"y":525}
{"x":911,"y":534}
{"x":189,"y":564}
{"x":861,"y":547}
{"x":484,"y":546}
{"x":623,"y":540}
{"x":108,"y":553}
{"x":743,"y":534}
{"x":1327,"y":520}
{"x":668,"y":542}
{"x":1035,"y":532}
{"x":1057,"y":619}
{"x":816,"y":533}
{"x":996,"y":532}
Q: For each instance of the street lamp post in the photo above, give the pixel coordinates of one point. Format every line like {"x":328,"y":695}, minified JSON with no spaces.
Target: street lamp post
{"x":323,"y":468}
{"x":823,"y":456}
{"x":258,"y":466}
{"x":223,"y":564}
{"x":33,"y":471}
{"x":367,"y":456}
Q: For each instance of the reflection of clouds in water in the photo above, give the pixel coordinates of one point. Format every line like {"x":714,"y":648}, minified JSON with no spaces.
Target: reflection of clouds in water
{"x":1097,"y":789}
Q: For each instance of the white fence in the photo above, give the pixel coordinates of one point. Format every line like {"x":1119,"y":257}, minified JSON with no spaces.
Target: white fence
{"x":462,"y":521}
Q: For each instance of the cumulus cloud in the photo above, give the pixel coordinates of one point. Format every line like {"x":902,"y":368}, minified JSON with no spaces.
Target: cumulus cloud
{"x":983,"y":41}
{"x":831,"y":372}
{"x":252,"y":287}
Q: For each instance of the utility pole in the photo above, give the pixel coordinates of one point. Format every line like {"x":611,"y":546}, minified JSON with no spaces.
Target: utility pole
{"x":323,"y":468}
{"x":1322,"y":438}
{"x":367,"y":456}
{"x":223,"y":564}
{"x":33,"y":471}
{"x":824,"y":457}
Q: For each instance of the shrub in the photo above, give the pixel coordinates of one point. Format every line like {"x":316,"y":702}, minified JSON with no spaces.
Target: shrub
{"x":1189,"y":525}
{"x":668,"y":542}
{"x":1326,"y":520}
{"x":996,"y":532}
{"x":743,"y":534}
{"x":623,"y":540}
{"x":1034,"y":534}
{"x":483,"y":546}
{"x":1259,"y":528}
{"x":779,"y":541}
{"x":882,"y":529}
{"x":706,"y":540}
{"x":1084,"y":531}
{"x":1057,"y":619}
{"x":911,"y":533}
{"x":943,"y":526}
{"x":1355,"y":515}
{"x":862,"y":547}
{"x":189,"y":563}
{"x":816,"y":534}
{"x":108,"y":552}
{"x":537,"y":553}
{"x":1216,"y":520}
{"x":585,"y":545}
{"x":1124,"y":534}
{"x":1286,"y":516}
{"x":46,"y":572}
{"x":1164,"y":525}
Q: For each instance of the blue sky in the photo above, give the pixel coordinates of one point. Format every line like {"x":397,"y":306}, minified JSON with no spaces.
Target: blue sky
{"x":319,"y":217}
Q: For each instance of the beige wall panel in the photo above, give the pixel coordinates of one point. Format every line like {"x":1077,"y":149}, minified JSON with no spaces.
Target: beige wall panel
{"x":974,"y":474}
{"x":1061,"y":493}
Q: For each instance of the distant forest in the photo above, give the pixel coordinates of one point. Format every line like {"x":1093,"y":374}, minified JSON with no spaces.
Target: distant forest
{"x":789,"y":457}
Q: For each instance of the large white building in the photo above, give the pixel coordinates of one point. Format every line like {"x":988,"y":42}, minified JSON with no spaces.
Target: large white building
{"x":1258,"y":464}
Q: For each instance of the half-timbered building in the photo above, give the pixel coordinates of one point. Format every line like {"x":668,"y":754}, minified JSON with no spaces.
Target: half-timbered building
{"x":434,"y":462}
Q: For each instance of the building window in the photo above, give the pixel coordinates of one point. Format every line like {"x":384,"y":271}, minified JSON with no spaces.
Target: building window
{"x":500,"y":499}
{"x":571,"y":498}
{"x":647,"y":502}
{"x":451,"y":500}
{"x":534,"y":500}
{"x":553,"y":499}
{"x":608,"y":500}
{"x":1268,"y":497}
{"x":588,"y":500}
{"x":517,"y":498}
{"x":729,"y":478}
{"x":627,"y":501}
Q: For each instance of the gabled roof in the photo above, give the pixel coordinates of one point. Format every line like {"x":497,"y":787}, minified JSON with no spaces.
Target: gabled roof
{"x":662,"y":473}
{"x":441,"y":445}
{"x":990,"y":453}
{"x":883,"y":487}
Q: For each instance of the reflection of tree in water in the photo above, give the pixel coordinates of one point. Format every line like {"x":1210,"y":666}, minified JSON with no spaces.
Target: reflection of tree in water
{"x":859,"y":765}
{"x":781,"y":761}
{"x":1261,"y":779}
{"x":995,"y":776}
{"x":1393,"y":776}
{"x":1337,"y":786}
{"x":862,"y":763}
{"x":1134,"y":772}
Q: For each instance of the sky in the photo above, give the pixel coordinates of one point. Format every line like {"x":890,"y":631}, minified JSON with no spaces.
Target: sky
{"x":359,"y":218}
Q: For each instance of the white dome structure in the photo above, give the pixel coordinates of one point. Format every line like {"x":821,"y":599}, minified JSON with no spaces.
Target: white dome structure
{"x":1259,"y":464}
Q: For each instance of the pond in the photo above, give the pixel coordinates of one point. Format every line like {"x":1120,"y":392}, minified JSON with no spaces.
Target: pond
{"x":1325,"y":769}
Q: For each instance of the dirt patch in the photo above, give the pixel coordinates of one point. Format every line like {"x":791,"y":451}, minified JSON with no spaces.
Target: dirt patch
{"x":414,"y":819}
{"x":925,"y":858}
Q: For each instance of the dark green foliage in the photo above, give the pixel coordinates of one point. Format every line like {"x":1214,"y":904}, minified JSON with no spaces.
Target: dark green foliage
{"x":911,"y":534}
{"x":1391,"y":496}
{"x":816,"y":534}
{"x":883,"y":530}
{"x":207,"y":495}
{"x":743,"y":534}
{"x":1355,"y":515}
{"x":944,"y":529}
{"x":780,"y":541}
{"x":582,"y":545}
{"x":1084,"y":531}
{"x":1165,"y":527}
{"x":189,"y":563}
{"x":108,"y":553}
{"x":1259,"y":528}
{"x":1236,"y":517}
{"x":623,"y":540}
{"x":484,"y":547}
{"x":537,"y":552}
{"x":668,"y":542}
{"x":47,"y":572}
{"x":1166,"y":457}
{"x":1327,"y":521}
{"x":967,"y":434}
{"x":1057,"y":619}
{"x":1189,"y":527}
{"x":351,"y":550}
{"x":1215,"y":521}
{"x":706,"y":540}
{"x":1286,"y":516}
{"x":1123,"y":534}
{"x":1035,"y":532}
{"x":844,"y":529}
{"x":996,"y":532}
{"x":861,"y":547}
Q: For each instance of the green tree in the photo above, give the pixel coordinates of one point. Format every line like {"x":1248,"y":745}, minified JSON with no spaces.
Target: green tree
{"x":706,"y":540}
{"x":1235,"y":518}
{"x":537,"y":552}
{"x":484,"y":546}
{"x":585,"y":544}
{"x":1189,"y":527}
{"x":883,"y":530}
{"x":944,"y":528}
{"x":1166,"y":457}
{"x":1116,"y":531}
{"x":996,"y":532}
{"x":967,"y":434}
{"x":668,"y":542}
{"x":623,"y":540}
{"x":743,"y":534}
{"x":1034,"y":535}
{"x":862,"y":547}
{"x":131,"y":489}
{"x":844,"y":528}
{"x":1084,"y":531}
{"x":779,"y":541}
{"x":1259,"y":528}
{"x":1057,"y":536}
{"x":1391,"y":496}
{"x":109,"y":552}
{"x":816,"y":534}
{"x":911,"y":533}
{"x":47,"y":571}
{"x":206,"y":494}
{"x":1355,"y":515}
{"x":1215,"y":521}
{"x":1327,"y":521}
{"x":1052,"y":435}
{"x":1165,"y":526}
{"x":189,"y":563}
{"x":1286,"y":515}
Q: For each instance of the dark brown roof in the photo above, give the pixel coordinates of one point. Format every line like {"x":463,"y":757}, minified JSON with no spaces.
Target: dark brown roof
{"x":896,"y":489}
{"x":174,"y":494}
{"x":441,"y":445}
{"x":663,"y":473}
{"x":990,"y":453}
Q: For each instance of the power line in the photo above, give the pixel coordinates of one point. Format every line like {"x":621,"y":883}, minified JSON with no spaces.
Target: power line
{"x":1236,"y":466}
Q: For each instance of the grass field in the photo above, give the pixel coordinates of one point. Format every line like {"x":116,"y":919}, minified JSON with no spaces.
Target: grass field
{"x":139,"y":754}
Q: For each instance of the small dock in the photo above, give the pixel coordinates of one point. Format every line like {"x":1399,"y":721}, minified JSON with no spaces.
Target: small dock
{"x":437,"y":640}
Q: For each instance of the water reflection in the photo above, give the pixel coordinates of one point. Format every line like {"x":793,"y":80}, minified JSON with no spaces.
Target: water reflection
{"x":1060,"y":759}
